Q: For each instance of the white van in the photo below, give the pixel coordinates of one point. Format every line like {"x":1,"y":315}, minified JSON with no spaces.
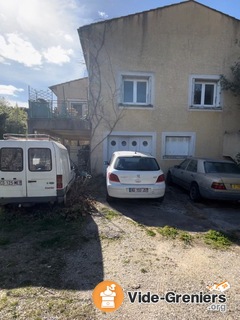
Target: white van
{"x":34,"y":169}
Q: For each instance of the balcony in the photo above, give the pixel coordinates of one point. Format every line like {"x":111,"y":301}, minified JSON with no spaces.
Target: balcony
{"x":64,"y":119}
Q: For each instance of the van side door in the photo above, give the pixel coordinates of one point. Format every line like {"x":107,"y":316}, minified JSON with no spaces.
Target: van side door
{"x":41,"y":171}
{"x":12,"y":170}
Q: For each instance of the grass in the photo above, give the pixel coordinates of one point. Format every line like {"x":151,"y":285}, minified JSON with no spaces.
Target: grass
{"x":34,"y":243}
{"x":109,"y":214}
{"x":168,"y":232}
{"x":150,"y":233}
{"x":217,"y":239}
{"x":186,"y":237}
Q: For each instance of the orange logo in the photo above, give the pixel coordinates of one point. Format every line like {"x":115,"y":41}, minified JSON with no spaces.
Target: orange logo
{"x":108,"y":296}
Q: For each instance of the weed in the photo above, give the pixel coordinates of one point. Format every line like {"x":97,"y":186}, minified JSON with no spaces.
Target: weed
{"x":169,"y":232}
{"x":186,"y":237}
{"x":109,"y":214}
{"x":144,"y":270}
{"x":150,"y":233}
{"x":217,"y":239}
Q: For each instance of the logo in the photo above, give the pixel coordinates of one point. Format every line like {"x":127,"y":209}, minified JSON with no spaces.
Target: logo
{"x":108,"y":296}
{"x":222,"y":286}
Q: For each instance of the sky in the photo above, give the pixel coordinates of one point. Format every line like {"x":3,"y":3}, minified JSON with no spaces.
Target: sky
{"x":39,"y":43}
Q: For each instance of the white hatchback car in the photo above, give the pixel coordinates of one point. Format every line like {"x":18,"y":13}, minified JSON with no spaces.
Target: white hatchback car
{"x":134,"y":175}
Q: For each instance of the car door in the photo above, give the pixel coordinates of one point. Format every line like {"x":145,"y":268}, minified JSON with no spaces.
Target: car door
{"x":190,"y":173}
{"x":179,"y":173}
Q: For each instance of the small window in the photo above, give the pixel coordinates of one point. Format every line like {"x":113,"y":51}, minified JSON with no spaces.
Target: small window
{"x":205,"y":92}
{"x":39,"y":159}
{"x":178,"y":145}
{"x":11,"y":159}
{"x":192,"y":166}
{"x":136,"y":90}
{"x":113,"y":143}
{"x":184,"y":164}
{"x":134,"y":143}
{"x":124,"y":143}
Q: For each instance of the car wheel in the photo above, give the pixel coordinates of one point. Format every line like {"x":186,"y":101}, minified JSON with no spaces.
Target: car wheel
{"x":169,"y":180}
{"x":194,"y":192}
{"x":160,"y":200}
{"x":109,"y":198}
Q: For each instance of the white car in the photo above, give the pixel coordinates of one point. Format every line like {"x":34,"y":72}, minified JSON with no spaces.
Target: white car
{"x":134,"y":175}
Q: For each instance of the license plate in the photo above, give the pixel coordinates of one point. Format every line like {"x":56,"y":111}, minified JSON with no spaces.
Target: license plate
{"x":10,"y":182}
{"x":138,"y":189}
{"x":235,"y":186}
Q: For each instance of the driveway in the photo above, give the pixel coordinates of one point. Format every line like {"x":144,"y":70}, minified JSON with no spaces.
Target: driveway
{"x":179,"y":211}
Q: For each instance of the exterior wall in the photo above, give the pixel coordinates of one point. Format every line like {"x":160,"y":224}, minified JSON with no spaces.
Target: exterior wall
{"x":76,"y":89}
{"x":173,"y":43}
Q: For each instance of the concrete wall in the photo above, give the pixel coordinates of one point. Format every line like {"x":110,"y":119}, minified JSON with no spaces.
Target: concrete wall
{"x":172,"y":43}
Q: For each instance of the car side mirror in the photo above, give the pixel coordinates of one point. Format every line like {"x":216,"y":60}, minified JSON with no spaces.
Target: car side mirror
{"x":177,"y":167}
{"x":106,"y":163}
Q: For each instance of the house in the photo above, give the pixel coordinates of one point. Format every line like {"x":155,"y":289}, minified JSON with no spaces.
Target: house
{"x":65,"y":118}
{"x":154,"y":84}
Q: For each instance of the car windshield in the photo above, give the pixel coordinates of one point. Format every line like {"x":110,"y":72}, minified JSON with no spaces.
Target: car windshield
{"x":136,"y":164}
{"x":221,"y":167}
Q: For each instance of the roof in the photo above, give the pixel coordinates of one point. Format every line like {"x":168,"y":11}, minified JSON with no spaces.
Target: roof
{"x":67,"y":82}
{"x":158,"y":8}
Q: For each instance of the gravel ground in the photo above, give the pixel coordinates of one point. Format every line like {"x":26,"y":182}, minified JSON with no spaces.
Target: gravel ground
{"x":140,"y":262}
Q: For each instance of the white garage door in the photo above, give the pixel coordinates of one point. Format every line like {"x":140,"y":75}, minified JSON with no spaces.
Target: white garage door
{"x":129,"y":143}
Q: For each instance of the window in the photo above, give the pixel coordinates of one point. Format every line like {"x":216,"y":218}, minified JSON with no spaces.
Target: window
{"x":11,"y":159}
{"x":178,"y":145}
{"x":78,"y":109}
{"x":192,"y":166}
{"x":204,"y":92}
{"x":39,"y":159}
{"x":136,"y":164}
{"x":136,"y":90}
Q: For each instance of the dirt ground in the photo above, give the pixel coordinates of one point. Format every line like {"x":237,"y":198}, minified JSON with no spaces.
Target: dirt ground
{"x":121,"y":242}
{"x":140,"y":262}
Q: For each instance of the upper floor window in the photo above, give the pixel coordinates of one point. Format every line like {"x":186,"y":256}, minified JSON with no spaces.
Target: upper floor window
{"x":78,"y":109}
{"x":204,"y":92}
{"x":136,"y":90}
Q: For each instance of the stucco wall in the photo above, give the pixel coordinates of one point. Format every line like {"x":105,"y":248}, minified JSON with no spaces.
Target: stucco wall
{"x":172,"y":43}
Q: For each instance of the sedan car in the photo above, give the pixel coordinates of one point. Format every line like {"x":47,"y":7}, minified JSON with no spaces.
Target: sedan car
{"x":134,"y":175}
{"x":207,"y":178}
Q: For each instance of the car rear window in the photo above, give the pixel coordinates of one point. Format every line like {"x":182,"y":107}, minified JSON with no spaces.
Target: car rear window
{"x":221,"y":167}
{"x":136,"y":164}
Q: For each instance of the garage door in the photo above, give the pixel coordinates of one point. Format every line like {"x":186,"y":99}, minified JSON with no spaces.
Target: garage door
{"x":129,"y":143}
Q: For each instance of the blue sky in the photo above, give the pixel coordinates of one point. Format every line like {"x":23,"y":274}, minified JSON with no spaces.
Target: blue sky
{"x":39,"y":44}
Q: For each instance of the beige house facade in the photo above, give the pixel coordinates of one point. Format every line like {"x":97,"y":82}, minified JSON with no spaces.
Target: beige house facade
{"x":154,"y":84}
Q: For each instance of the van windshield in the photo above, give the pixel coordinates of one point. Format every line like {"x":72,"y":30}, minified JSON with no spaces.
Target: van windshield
{"x":136,"y":164}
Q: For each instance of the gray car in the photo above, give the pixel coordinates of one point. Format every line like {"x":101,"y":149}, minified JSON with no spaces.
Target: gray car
{"x":207,"y":178}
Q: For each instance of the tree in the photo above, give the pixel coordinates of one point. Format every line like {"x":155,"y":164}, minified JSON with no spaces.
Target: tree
{"x":12,"y":119}
{"x":103,"y":90}
{"x":233,"y":84}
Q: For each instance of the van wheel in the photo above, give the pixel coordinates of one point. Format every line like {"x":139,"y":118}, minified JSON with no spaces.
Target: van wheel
{"x":194,"y":192}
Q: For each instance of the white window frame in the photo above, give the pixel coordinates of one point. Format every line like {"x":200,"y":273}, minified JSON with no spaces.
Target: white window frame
{"x":191,"y":135}
{"x":205,"y":80}
{"x":136,"y":77}
{"x":72,"y":102}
